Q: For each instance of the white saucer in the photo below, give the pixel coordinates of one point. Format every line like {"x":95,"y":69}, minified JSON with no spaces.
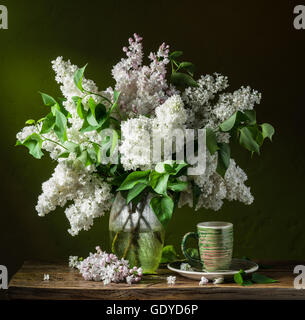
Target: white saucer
{"x":237,"y":264}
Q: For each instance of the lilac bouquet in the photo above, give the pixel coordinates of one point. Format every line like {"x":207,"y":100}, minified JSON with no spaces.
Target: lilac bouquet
{"x":101,"y":139}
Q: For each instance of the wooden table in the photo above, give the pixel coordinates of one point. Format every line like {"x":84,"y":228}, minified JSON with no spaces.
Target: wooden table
{"x":66,"y":283}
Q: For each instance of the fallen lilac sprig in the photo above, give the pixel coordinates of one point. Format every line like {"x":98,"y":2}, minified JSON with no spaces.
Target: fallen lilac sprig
{"x":101,"y":266}
{"x":218,"y":280}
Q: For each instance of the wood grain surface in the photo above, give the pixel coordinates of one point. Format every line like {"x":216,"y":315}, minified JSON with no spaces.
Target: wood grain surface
{"x":66,"y":283}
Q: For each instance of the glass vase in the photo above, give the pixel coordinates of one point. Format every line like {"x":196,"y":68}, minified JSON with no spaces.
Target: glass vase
{"x":136,"y":233}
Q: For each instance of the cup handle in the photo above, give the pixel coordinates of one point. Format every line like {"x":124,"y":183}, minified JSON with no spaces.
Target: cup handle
{"x":183,"y":247}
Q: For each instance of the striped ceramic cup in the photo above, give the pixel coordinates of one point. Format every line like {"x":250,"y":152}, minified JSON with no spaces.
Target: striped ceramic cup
{"x":215,"y":242}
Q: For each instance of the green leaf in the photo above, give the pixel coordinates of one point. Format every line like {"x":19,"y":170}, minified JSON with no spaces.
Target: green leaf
{"x":55,"y":108}
{"x":169,"y":169}
{"x":83,"y":157}
{"x":259,"y":138}
{"x":166,"y":166}
{"x":48,"y":123}
{"x":177,"y":186}
{"x":247,"y":140}
{"x":169,"y":254}
{"x":163,"y":208}
{"x":86,"y":158}
{"x":40,"y":120}
{"x":133,"y":179}
{"x":183,"y":79}
{"x":239,"y":277}
{"x":86,"y":127}
{"x":33,"y":143}
{"x":211,"y":141}
{"x":113,"y":169}
{"x":31,"y":121}
{"x":260,"y":278}
{"x":92,"y":155}
{"x":91,"y":120}
{"x":60,"y":127}
{"x":178,"y":167}
{"x":158,"y":182}
{"x":247,"y":282}
{"x":73,"y":147}
{"x":97,"y":114}
{"x":228,"y":124}
{"x":247,"y":117}
{"x":188,"y":66}
{"x":115,"y":141}
{"x":78,"y":78}
{"x":223,"y":159}
{"x":154,"y":178}
{"x":250,"y":116}
{"x":97,"y":149}
{"x":135,"y":191}
{"x":80,"y":109}
{"x":170,"y":166}
{"x":48,"y":100}
{"x":176,"y":54}
{"x":64,"y":155}
{"x":267,"y":131}
{"x":76,"y":99}
{"x":116,"y":96}
{"x":62,"y":108}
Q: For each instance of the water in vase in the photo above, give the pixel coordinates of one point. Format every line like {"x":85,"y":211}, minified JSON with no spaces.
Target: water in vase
{"x":139,"y":248}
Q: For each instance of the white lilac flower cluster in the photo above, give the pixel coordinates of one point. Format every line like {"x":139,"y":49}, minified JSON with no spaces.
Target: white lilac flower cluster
{"x":74,"y":261}
{"x":101,"y":266}
{"x":215,"y":189}
{"x":147,"y":105}
{"x":186,"y":267}
{"x":203,"y":281}
{"x":46,"y":277}
{"x":208,"y":106}
{"x":142,"y":87}
{"x":136,"y":147}
{"x":171,"y":280}
{"x":92,"y":196}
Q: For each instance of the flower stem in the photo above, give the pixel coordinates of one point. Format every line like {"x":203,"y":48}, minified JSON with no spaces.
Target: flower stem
{"x":128,"y":246}
{"x":46,"y":139}
{"x":97,"y":94}
{"x":114,"y":241}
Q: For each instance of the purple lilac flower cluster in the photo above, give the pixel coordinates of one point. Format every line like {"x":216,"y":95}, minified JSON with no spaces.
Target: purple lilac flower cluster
{"x":101,"y":266}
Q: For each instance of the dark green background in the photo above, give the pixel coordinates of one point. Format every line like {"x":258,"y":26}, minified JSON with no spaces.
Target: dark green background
{"x":253,"y":42}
